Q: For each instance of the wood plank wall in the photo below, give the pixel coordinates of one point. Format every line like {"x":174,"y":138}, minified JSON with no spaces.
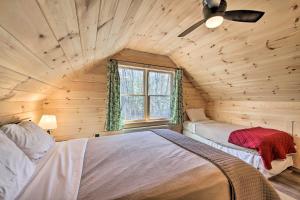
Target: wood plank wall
{"x":13,"y":111}
{"x":277,"y":115}
{"x":81,"y":106}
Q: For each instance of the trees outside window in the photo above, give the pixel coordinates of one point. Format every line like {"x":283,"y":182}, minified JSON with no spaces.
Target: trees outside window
{"x":145,"y":94}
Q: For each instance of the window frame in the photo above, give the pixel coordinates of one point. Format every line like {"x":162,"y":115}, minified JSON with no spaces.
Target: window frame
{"x":145,"y":94}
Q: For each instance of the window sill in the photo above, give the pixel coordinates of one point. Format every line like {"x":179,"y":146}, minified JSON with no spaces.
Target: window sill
{"x":145,"y":123}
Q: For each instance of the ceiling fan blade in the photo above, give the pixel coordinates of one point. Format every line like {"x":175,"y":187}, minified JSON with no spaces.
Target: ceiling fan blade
{"x":222,"y":6}
{"x":187,"y":31}
{"x":243,"y":15}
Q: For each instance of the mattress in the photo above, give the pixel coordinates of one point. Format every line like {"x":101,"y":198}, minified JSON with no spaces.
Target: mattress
{"x":143,"y":165}
{"x":216,"y":131}
{"x":216,"y":134}
{"x":128,"y":166}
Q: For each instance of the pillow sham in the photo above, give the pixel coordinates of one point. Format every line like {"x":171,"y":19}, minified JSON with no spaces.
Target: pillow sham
{"x":15,"y":168}
{"x":30,"y":138}
{"x":196,"y":114}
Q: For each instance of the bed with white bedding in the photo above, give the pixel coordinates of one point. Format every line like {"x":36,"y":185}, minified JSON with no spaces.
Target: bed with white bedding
{"x":119,"y":167}
{"x":154,"y":164}
{"x":216,"y":134}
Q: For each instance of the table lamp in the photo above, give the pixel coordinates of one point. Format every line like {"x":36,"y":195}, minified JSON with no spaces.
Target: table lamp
{"x":48,"y":122}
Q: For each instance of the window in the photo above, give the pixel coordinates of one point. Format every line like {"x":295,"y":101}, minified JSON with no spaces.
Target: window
{"x":145,"y":94}
{"x":132,"y":94}
{"x":159,"y":94}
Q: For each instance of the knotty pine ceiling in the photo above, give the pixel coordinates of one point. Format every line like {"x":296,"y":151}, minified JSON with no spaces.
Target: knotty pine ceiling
{"x":42,"y":42}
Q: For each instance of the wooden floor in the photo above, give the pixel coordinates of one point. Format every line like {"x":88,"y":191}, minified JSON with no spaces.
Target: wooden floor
{"x":288,"y":182}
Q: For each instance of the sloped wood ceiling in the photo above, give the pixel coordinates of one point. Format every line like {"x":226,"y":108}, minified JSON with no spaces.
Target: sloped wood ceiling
{"x":44,"y":41}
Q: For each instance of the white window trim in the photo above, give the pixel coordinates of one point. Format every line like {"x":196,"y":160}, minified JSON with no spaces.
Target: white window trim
{"x":147,"y":120}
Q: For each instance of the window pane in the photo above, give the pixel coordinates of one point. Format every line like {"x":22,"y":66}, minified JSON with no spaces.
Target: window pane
{"x":132,"y":107}
{"x":160,"y":107}
{"x":131,"y":81}
{"x":159,"y":83}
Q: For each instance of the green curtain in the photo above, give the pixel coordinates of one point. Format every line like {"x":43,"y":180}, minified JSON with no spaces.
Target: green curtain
{"x":113,"y":115}
{"x":177,"y":99}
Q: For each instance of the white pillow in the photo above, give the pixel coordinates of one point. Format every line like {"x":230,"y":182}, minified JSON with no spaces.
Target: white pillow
{"x":30,"y":138}
{"x":196,"y":114}
{"x":15,"y":169}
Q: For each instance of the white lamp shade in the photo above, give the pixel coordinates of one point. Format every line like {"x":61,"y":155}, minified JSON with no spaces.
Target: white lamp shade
{"x":48,"y":122}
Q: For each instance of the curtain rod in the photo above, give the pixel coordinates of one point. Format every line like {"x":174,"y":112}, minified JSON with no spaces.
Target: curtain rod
{"x":146,"y":64}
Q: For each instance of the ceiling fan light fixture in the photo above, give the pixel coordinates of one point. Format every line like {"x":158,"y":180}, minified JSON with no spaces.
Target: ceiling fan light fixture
{"x":214,"y":22}
{"x":214,"y":12}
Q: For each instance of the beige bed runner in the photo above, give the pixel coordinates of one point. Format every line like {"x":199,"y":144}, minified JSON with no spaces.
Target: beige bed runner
{"x":246,"y":182}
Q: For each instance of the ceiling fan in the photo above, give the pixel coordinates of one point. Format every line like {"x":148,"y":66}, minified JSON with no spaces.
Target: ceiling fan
{"x":215,"y":12}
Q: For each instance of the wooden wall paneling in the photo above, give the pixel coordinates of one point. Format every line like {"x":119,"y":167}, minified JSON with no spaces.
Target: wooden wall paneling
{"x":262,"y":60}
{"x":23,"y":74}
{"x":226,"y":63}
{"x":105,"y":21}
{"x":20,"y":110}
{"x":170,"y":40}
{"x":257,"y":112}
{"x":235,"y":32}
{"x":10,"y":79}
{"x":15,"y":56}
{"x":277,"y":115}
{"x":122,"y":8}
{"x":124,"y":16}
{"x":167,"y":27}
{"x":16,"y":85}
{"x":80,"y":94}
{"x":63,"y":20}
{"x":88,"y":14}
{"x":281,"y":40}
{"x":81,"y":106}
{"x":15,"y":81}
{"x":144,"y":57}
{"x":237,"y":61}
{"x":284,"y":39}
{"x":185,"y":20}
{"x":169,"y":24}
{"x":25,"y":21}
{"x":138,"y":39}
{"x":192,"y":97}
{"x":18,"y":95}
{"x":145,"y":7}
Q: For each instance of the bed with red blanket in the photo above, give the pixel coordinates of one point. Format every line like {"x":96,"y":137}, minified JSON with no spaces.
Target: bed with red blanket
{"x":268,"y":150}
{"x":271,"y":144}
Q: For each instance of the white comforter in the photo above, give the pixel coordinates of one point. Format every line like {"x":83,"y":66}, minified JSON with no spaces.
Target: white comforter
{"x":58,"y":174}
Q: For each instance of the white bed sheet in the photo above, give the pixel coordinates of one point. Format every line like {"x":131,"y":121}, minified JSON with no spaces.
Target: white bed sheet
{"x":249,"y":156}
{"x":215,"y":131}
{"x":58,"y":174}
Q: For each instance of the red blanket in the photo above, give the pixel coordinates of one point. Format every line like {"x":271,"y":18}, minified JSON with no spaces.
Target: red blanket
{"x":271,"y":144}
